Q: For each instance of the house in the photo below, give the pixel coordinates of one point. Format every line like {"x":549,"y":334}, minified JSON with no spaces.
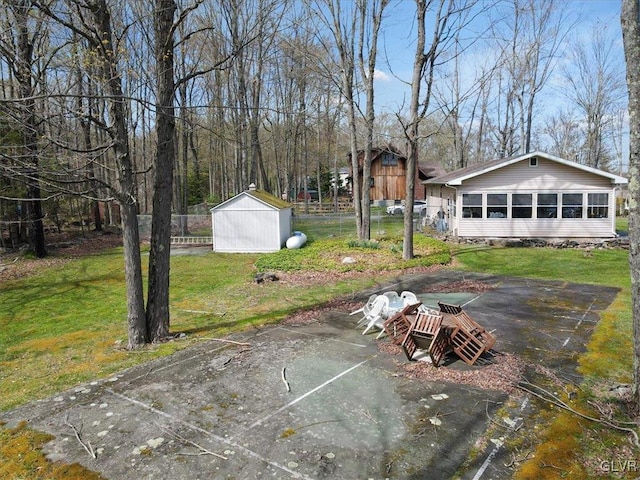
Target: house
{"x":252,"y":221}
{"x":535,"y":195}
{"x":388,"y":180}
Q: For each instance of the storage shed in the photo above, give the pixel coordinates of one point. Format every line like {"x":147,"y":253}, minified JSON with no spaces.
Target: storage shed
{"x":253,"y":221}
{"x":526,"y":196}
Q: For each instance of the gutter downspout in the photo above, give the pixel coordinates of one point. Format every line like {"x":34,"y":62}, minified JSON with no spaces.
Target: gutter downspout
{"x":615,"y":212}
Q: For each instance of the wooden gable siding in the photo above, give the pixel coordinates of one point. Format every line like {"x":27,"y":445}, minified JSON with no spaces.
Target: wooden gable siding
{"x":389,"y":182}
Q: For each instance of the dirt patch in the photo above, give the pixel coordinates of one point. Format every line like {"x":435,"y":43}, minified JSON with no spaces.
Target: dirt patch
{"x":326,"y":277}
{"x":305,"y":317}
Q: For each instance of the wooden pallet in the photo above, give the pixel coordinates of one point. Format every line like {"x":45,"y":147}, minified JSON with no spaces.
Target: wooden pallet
{"x":465,"y":322}
{"x":427,"y":324}
{"x":439,"y":347}
{"x":448,"y":308}
{"x":397,"y":327}
{"x":466,"y":346}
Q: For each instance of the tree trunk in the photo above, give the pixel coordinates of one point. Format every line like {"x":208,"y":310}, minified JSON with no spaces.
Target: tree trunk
{"x":29,"y":129}
{"x":160,"y":252}
{"x":630,"y":19}
{"x":126,"y":193}
{"x":413,"y":127}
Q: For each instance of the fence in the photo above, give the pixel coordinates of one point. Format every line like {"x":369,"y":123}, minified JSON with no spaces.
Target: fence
{"x":185,"y":229}
{"x":321,"y":208}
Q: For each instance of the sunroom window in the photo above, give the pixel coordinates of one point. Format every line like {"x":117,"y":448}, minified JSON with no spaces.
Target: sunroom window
{"x":521,"y":206}
{"x":471,"y":205}
{"x":597,"y":205}
{"x":496,"y":205}
{"x":547,"y":205}
{"x":571,"y":205}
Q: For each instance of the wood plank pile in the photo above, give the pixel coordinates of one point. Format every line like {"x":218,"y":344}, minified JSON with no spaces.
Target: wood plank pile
{"x":438,"y":333}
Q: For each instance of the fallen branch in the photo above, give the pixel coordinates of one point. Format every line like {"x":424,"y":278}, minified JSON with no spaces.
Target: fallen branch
{"x":516,"y":460}
{"x":513,"y":428}
{"x":87,"y":446}
{"x":284,"y":379}
{"x":367,"y":414}
{"x":202,"y":450}
{"x":549,"y":397}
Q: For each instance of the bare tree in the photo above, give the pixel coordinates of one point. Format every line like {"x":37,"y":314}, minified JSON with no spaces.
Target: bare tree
{"x":157,"y":313}
{"x":92,"y":21}
{"x":355,"y":28}
{"x":341,"y":21}
{"x":596,"y":90}
{"x":18,"y":50}
{"x":630,"y":19}
{"x":449,"y":17}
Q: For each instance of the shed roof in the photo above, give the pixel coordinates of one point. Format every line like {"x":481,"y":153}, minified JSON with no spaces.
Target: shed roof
{"x":457,"y":177}
{"x":262,"y":196}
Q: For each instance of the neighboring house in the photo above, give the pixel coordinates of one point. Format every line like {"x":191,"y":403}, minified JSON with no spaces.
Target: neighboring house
{"x":252,"y":221}
{"x":388,"y":180}
{"x":535,"y":195}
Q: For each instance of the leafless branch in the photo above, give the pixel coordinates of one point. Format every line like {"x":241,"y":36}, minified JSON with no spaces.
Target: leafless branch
{"x":86,"y":445}
{"x":201,"y":449}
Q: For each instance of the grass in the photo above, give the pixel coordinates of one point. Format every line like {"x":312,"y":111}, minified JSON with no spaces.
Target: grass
{"x":66,"y":325}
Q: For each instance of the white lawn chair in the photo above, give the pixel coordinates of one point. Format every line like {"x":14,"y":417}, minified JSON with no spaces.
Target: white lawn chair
{"x":364,"y":309}
{"x":368,"y":303}
{"x":377,"y":315}
{"x":394,"y":298}
{"x":409,"y":298}
{"x":396,"y":303}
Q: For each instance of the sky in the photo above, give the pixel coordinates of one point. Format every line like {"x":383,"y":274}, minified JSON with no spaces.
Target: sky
{"x":396,"y":49}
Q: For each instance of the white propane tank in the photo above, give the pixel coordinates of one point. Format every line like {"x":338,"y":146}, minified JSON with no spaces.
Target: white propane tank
{"x":297,"y":240}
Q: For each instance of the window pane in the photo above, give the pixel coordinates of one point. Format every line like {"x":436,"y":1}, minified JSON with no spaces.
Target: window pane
{"x":389,"y":159}
{"x":598,"y":205}
{"x":600,"y":199}
{"x":547,"y":205}
{"x":472,"y":199}
{"x":497,"y":199}
{"x":521,"y":212}
{"x":571,"y":199}
{"x":571,"y":205}
{"x":471,"y":212}
{"x":548,"y":199}
{"x":598,"y":212}
{"x":521,"y":199}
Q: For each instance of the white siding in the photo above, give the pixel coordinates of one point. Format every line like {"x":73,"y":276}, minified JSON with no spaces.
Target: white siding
{"x":547,"y":177}
{"x":285,"y":226}
{"x":533,"y":227}
{"x":244,"y":224}
{"x":440,"y":198}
